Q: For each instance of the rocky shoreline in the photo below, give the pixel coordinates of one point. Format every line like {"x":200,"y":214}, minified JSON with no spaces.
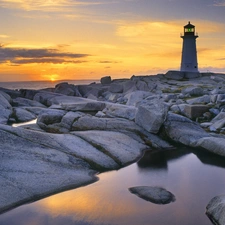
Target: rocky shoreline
{"x":82,"y":130}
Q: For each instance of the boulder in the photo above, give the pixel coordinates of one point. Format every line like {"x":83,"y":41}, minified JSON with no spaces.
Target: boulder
{"x":183,"y":130}
{"x":193,"y":91}
{"x":106,"y":80}
{"x":20,"y":102}
{"x":175,"y":75}
{"x":151,"y":115}
{"x":215,"y":210}
{"x":120,"y":147}
{"x":194,"y":111}
{"x":71,"y":103}
{"x":45,"y":97}
{"x":212,"y":144}
{"x":155,"y":195}
{"x":116,"y":88}
{"x":122,"y":111}
{"x":129,"y":86}
{"x":5,"y":108}
{"x":200,"y":100}
{"x":137,"y":96}
{"x":142,"y":86}
{"x":22,"y":115}
{"x":94,"y":123}
{"x":65,"y":89}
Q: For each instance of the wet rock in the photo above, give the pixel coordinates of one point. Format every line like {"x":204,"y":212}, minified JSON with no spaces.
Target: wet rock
{"x":215,"y":210}
{"x":155,"y":195}
{"x":151,"y":115}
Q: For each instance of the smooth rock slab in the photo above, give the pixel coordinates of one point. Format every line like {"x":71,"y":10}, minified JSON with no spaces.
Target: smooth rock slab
{"x":155,"y":195}
{"x":120,"y":147}
{"x":215,"y":210}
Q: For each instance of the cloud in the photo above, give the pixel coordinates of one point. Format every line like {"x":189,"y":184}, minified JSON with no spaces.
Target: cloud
{"x":50,"y":5}
{"x":4,"y":36}
{"x":219,"y":3}
{"x":107,"y":61}
{"x":18,"y":56}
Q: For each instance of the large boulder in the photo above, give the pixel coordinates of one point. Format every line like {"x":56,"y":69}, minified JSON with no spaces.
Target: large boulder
{"x":65,"y":89}
{"x":151,"y":115}
{"x":136,"y":97}
{"x":45,"y":97}
{"x":215,"y":210}
{"x":106,"y":80}
{"x":200,"y":100}
{"x":183,"y":130}
{"x":193,"y":91}
{"x":155,"y":195}
{"x":20,"y":102}
{"x":116,"y":88}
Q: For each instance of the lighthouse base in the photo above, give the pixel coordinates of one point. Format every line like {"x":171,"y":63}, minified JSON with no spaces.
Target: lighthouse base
{"x":182,"y":75}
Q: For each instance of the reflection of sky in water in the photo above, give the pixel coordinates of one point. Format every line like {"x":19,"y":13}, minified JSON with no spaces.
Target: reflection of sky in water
{"x":109,"y":201}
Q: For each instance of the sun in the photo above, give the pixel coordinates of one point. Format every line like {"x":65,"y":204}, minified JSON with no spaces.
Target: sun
{"x":52,"y":79}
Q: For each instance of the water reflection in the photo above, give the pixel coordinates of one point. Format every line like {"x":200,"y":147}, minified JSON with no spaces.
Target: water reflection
{"x":108,"y":202}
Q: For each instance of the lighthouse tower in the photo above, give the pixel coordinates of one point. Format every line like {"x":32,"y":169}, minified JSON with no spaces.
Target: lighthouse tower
{"x":189,"y":62}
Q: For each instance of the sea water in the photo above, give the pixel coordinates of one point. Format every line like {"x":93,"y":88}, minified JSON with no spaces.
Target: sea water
{"x":194,"y":177}
{"x":41,"y":84}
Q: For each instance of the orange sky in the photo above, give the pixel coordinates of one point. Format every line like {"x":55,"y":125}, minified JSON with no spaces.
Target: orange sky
{"x":69,"y":39}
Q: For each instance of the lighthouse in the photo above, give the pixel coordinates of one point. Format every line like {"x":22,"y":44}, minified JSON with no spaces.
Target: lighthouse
{"x":189,"y":61}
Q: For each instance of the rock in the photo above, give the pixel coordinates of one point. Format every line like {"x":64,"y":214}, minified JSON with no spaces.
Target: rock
{"x":215,"y":210}
{"x":122,"y":111}
{"x":12,"y":93}
{"x":129,"y":86}
{"x":65,"y":89}
{"x":70,"y":103}
{"x":45,"y":97}
{"x":192,"y":75}
{"x":212,"y":144}
{"x":201,"y":100}
{"x":116,"y":88}
{"x":155,"y":195}
{"x":194,"y":111}
{"x":142,"y":86}
{"x":183,"y":130}
{"x":120,"y":147}
{"x":49,"y":119}
{"x":106,"y":80}
{"x":220,"y":116}
{"x":22,"y":115}
{"x":175,"y":75}
{"x":30,"y":170}
{"x":94,"y":123}
{"x":136,"y":97}
{"x":217,"y":125}
{"x":5,"y":108}
{"x":20,"y":102}
{"x":193,"y":91}
{"x":151,"y":115}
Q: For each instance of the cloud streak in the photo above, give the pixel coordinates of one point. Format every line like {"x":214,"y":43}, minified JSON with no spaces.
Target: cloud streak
{"x":20,"y":56}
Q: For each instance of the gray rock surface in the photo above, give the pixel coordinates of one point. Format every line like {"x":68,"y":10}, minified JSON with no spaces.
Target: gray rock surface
{"x":183,"y":130}
{"x":20,"y":102}
{"x":120,"y":147}
{"x":155,"y":195}
{"x":151,"y":115}
{"x":215,"y":210}
{"x":5,"y":108}
{"x":194,"y":111}
{"x":22,"y":115}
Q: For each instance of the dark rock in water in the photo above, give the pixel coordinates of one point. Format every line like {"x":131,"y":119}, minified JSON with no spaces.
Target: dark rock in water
{"x":155,"y":195}
{"x":106,"y":80}
{"x":215,"y":210}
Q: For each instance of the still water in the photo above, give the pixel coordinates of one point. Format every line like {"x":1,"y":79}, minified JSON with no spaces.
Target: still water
{"x":193,"y":177}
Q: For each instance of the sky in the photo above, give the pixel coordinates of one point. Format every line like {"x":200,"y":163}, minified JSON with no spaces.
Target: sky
{"x":89,"y":39}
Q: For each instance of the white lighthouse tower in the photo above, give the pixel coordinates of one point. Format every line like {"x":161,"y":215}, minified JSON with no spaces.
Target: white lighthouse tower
{"x":189,"y":62}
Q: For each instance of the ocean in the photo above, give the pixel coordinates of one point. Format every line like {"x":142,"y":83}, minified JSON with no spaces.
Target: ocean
{"x":36,"y":85}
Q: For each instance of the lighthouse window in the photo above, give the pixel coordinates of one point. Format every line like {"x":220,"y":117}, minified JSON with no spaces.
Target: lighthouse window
{"x":189,"y":30}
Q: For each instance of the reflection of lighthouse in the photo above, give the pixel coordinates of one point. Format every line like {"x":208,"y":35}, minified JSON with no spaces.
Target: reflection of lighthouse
{"x":189,"y":60}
